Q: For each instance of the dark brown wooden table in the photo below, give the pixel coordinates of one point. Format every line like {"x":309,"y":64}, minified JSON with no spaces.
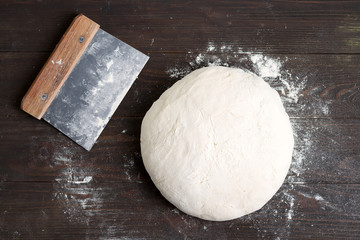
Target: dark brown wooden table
{"x":50,"y":188}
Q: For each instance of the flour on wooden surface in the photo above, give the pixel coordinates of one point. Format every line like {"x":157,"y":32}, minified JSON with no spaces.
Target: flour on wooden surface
{"x":80,"y":197}
{"x":290,"y":209}
{"x":266,"y":66}
{"x":269,"y":68}
{"x":176,"y":72}
{"x":211,"y":47}
{"x":73,"y":188}
{"x":324,"y":204}
{"x":128,"y":165}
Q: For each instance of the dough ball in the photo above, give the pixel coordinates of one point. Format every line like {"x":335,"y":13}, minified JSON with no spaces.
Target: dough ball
{"x":218,"y":143}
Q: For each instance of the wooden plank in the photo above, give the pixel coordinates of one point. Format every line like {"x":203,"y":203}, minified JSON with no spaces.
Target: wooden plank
{"x":312,"y":86}
{"x":180,"y":26}
{"x":133,"y":210}
{"x":326,"y":151}
{"x":50,"y":188}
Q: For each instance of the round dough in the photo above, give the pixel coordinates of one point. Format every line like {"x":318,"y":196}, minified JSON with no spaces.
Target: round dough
{"x":218,"y":143}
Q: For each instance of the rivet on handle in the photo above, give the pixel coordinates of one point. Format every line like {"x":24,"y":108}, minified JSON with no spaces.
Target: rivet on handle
{"x":44,"y":96}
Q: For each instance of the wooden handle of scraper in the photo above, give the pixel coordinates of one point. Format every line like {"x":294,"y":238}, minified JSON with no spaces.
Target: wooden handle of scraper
{"x":58,"y":67}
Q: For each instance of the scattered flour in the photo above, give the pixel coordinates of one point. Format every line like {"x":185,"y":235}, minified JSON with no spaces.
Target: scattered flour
{"x":75,"y":191}
{"x":318,"y":197}
{"x":271,"y":69}
{"x":211,"y":47}
{"x":199,"y":58}
{"x":129,"y":163}
{"x":86,"y":179}
{"x":73,"y":188}
{"x":324,"y":204}
{"x":290,"y":210}
{"x":266,"y":67}
{"x":176,"y":72}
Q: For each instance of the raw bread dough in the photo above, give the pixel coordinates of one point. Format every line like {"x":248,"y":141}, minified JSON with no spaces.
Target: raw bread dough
{"x":218,"y":143}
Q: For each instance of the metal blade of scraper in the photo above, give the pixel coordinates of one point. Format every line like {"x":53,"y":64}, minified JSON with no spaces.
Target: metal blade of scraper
{"x":95,"y":88}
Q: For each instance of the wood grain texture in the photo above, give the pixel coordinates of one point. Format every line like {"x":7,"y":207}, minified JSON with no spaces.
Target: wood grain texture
{"x":59,"y":66}
{"x":107,"y":210}
{"x":262,"y":26}
{"x":50,"y":188}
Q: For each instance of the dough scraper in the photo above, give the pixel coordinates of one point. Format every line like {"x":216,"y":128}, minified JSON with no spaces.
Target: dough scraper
{"x":84,"y":81}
